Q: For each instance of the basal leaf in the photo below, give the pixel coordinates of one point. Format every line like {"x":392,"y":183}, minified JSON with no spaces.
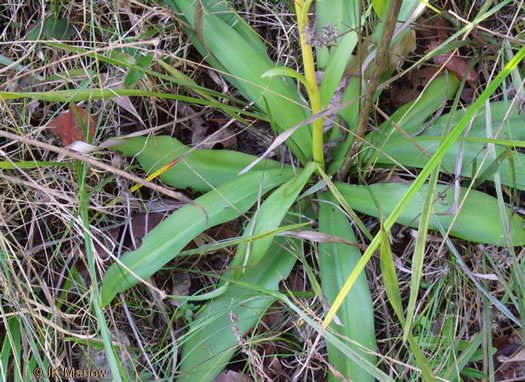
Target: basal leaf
{"x":336,"y":262}
{"x":199,"y":169}
{"x":58,"y":29}
{"x":477,"y":221}
{"x":168,"y":238}
{"x":211,"y":340}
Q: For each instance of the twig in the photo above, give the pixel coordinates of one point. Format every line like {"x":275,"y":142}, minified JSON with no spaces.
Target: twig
{"x":381,"y":57}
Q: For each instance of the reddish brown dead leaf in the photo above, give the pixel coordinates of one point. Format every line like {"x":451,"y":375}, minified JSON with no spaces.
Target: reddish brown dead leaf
{"x":404,"y":92}
{"x":456,"y":65}
{"x":142,"y":224}
{"x":68,"y":128}
{"x":272,"y":316}
{"x":232,"y":376}
{"x":509,"y":360}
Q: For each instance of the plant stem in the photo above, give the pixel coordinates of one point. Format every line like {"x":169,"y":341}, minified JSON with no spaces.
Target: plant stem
{"x":381,"y":57}
{"x":311,"y":83}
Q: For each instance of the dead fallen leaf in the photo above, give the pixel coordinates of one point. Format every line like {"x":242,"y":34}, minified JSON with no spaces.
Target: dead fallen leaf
{"x":125,"y":103}
{"x":142,"y":224}
{"x":68,"y":127}
{"x":455,"y":64}
{"x":273,"y":315}
{"x":404,"y":92}
{"x":509,"y":360}
{"x":232,"y":376}
{"x":205,"y":137}
{"x":181,"y":286}
{"x":400,"y":50}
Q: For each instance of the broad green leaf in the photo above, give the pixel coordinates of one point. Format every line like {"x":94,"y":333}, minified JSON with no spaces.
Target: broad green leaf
{"x":211,"y":340}
{"x":397,"y":148}
{"x":329,"y":14}
{"x":249,"y":66}
{"x":336,"y":262}
{"x":254,"y":262}
{"x":286,"y":72}
{"x":136,"y":73}
{"x":411,"y":116}
{"x":167,"y":239}
{"x":379,"y":7}
{"x":336,"y":67}
{"x":418,"y":183}
{"x":267,"y":218}
{"x":58,"y":29}
{"x":224,"y":10}
{"x":244,"y":64}
{"x":477,"y":221}
{"x":350,"y":115}
{"x":199,"y":169}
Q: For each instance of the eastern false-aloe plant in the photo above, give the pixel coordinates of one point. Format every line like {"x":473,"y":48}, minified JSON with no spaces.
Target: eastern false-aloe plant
{"x":251,"y":283}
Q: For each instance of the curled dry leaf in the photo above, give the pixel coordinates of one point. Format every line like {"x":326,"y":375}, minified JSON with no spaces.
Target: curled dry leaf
{"x":68,"y":127}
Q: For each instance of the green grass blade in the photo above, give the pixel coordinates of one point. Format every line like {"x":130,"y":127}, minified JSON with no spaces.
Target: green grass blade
{"x":6,"y":165}
{"x":452,"y":372}
{"x":78,"y":95}
{"x":388,"y":270}
{"x":341,"y":200}
{"x":166,"y":240}
{"x":337,"y":342}
{"x":11,"y":349}
{"x":394,"y":296}
{"x":474,"y":279}
{"x":336,"y":262}
{"x":419,"y":252}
